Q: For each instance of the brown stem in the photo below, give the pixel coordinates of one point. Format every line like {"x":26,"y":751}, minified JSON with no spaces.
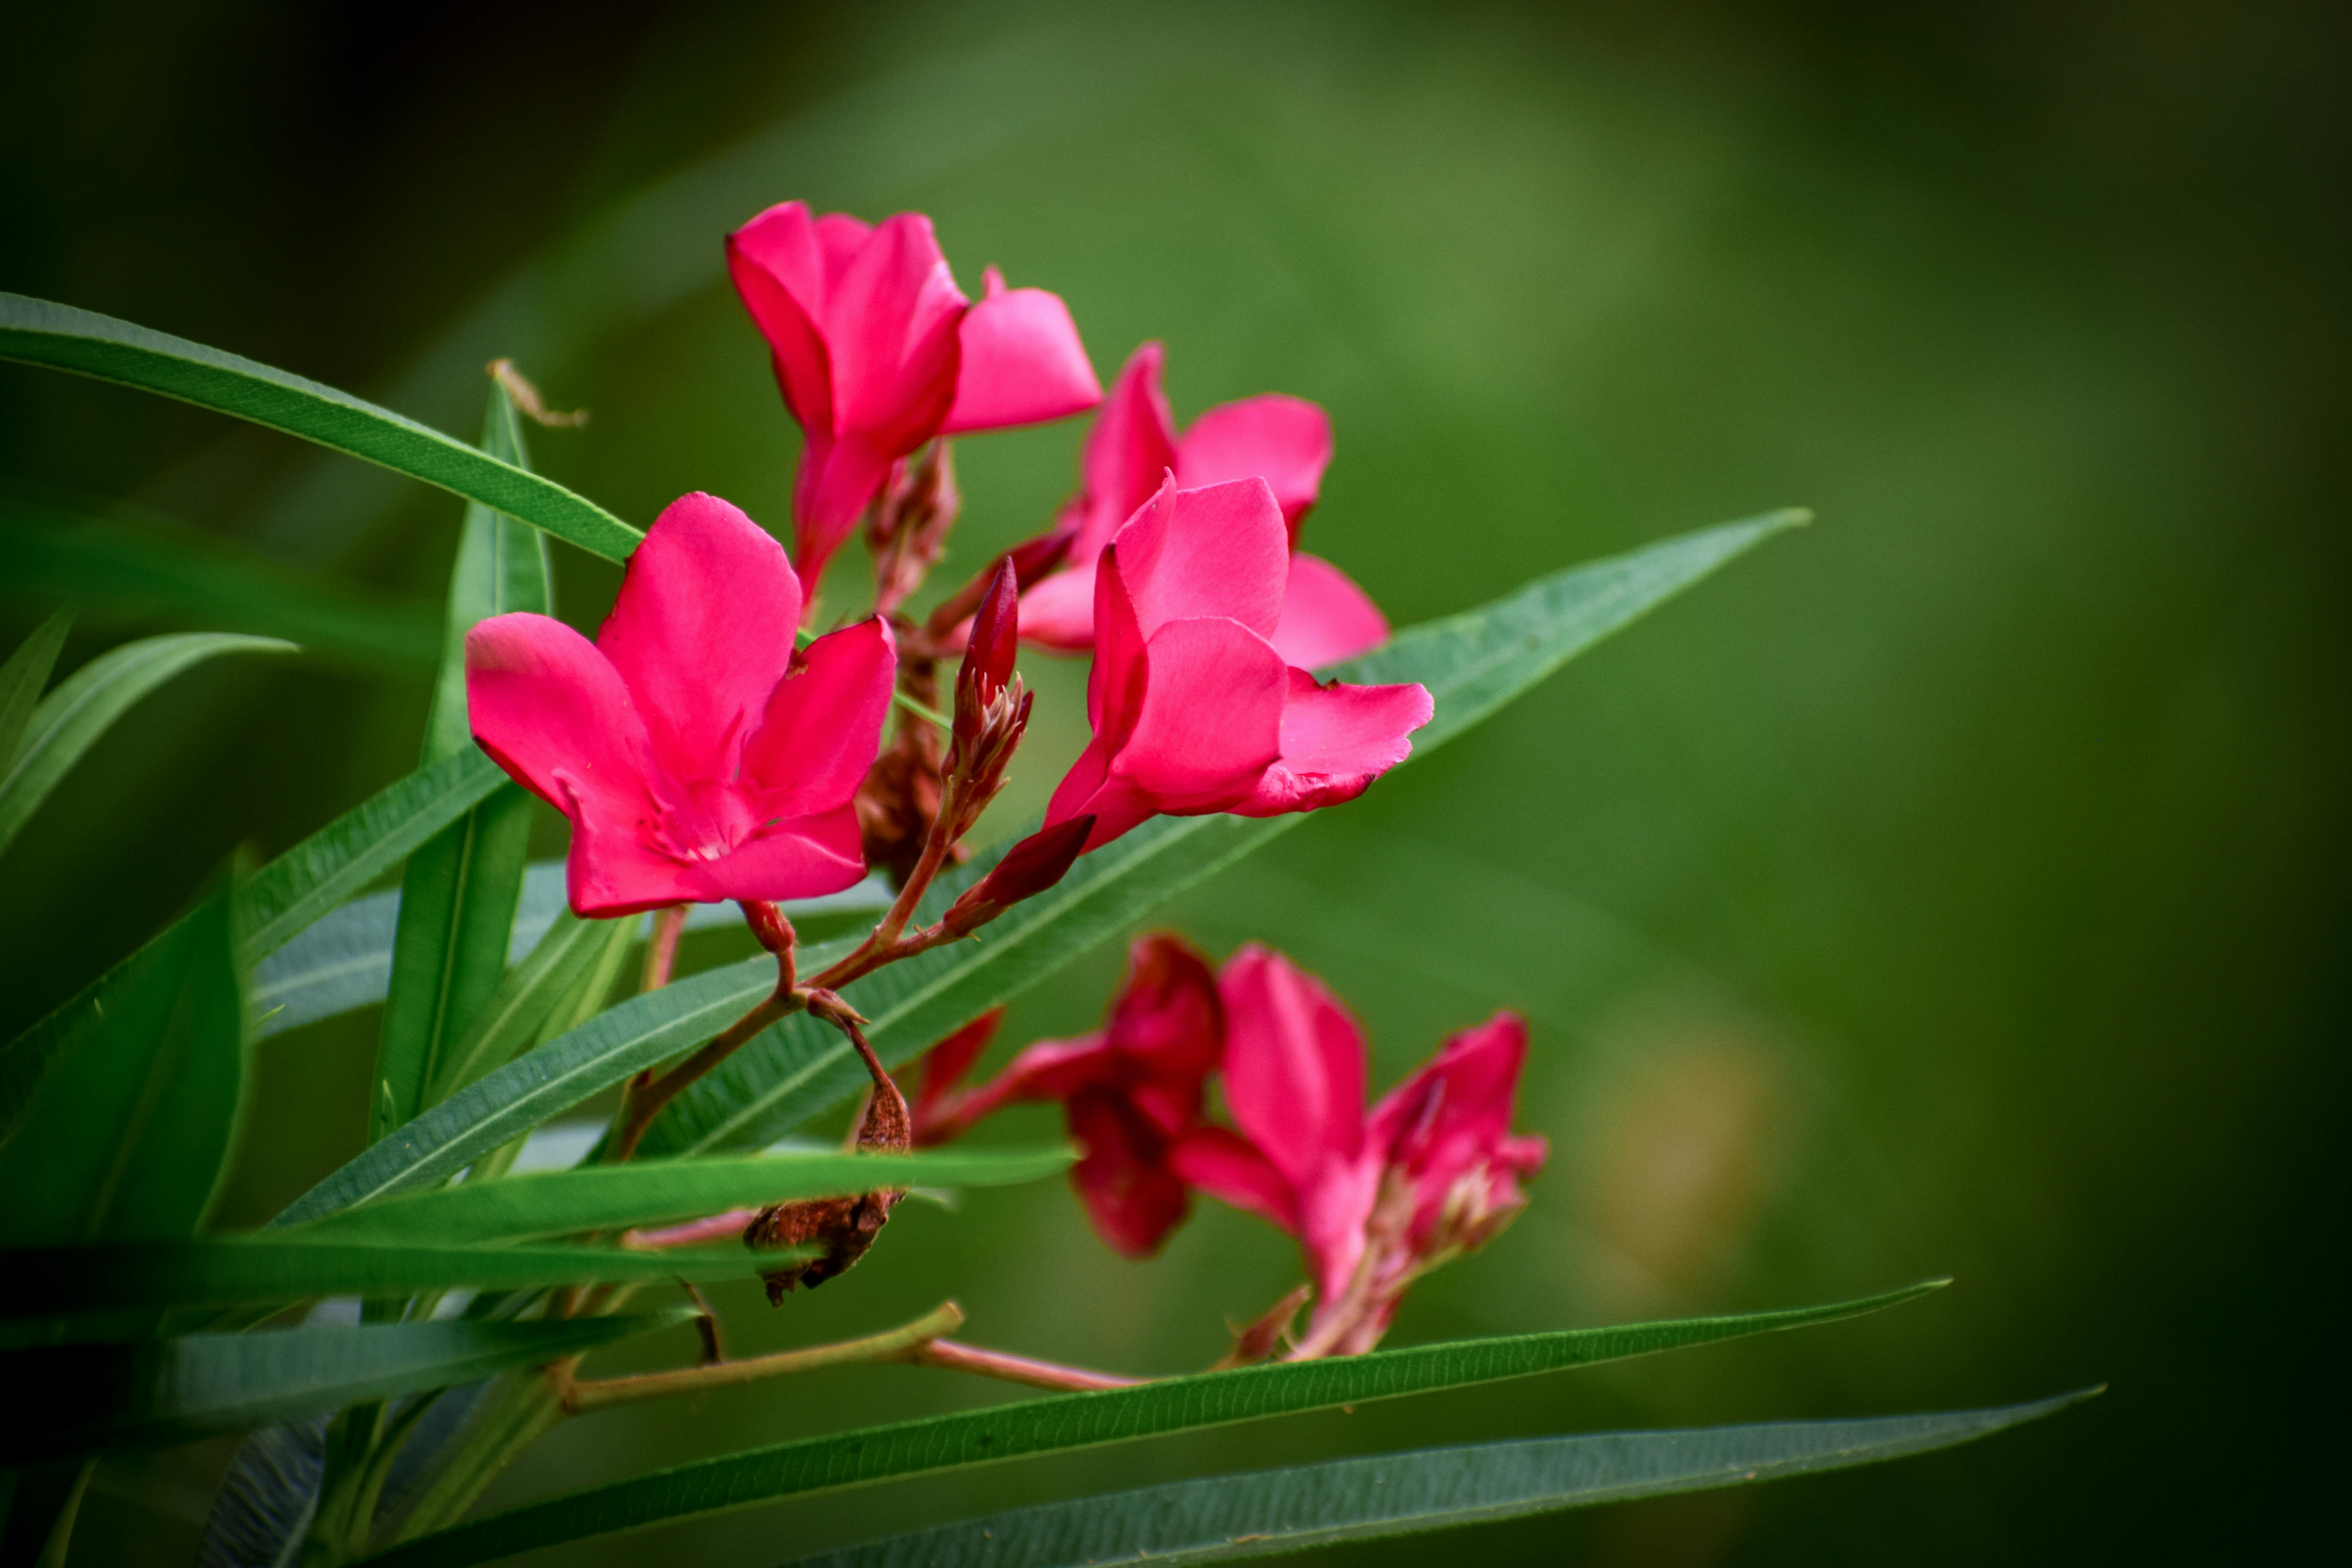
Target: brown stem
{"x":891,"y":1345}
{"x":949,"y":1356}
{"x":661,"y":948}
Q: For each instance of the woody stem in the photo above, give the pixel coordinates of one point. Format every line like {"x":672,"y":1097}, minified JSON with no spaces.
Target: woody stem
{"x":949,"y":1356}
{"x":641,"y":1103}
{"x":890,"y":1345}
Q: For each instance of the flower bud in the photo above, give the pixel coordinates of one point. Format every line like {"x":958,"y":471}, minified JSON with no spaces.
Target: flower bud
{"x":987,"y":655}
{"x":1028,"y":869}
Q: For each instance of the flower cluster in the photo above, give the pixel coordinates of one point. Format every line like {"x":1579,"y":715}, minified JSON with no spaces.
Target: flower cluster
{"x":701,"y":752}
{"x":1376,"y":1199}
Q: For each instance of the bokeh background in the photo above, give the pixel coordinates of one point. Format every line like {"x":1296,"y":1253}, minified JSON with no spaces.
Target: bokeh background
{"x":1954,"y":887}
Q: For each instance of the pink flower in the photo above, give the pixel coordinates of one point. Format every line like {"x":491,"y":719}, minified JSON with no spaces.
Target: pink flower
{"x":1128,"y":1092}
{"x":1285,"y":441}
{"x":1433,"y":1171}
{"x":1194,"y":710}
{"x":699,"y":758}
{"x":878,"y":352}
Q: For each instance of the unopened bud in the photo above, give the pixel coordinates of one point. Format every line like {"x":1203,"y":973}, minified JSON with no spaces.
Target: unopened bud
{"x":987,"y":655}
{"x":1032,"y":559}
{"x":1028,"y":869}
{"x":908,"y":529}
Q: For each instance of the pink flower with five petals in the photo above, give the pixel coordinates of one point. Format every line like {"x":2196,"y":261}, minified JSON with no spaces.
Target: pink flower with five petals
{"x":697,"y":756}
{"x":1375,"y":1201}
{"x":876,"y":352}
{"x":1193,"y":708}
{"x":1128,"y":1092}
{"x":1286,"y":441}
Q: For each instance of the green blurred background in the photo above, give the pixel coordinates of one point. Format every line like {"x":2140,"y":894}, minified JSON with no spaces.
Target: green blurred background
{"x":1956,"y":887}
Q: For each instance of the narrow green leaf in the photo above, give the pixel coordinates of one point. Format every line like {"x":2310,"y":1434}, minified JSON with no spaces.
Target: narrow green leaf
{"x":1220,"y":1519}
{"x":608,"y":1197}
{"x":460,"y":888}
{"x":64,"y":1399}
{"x":24,"y":675}
{"x":1472,"y":664}
{"x":145,"y":568}
{"x":69,"y":719}
{"x":1065,"y":1422}
{"x":131,"y":1139}
{"x":282,"y":897}
{"x":507,"y":1024}
{"x":44,"y":1282}
{"x":41,"y":332}
{"x":360,"y":845}
{"x":343,"y":962}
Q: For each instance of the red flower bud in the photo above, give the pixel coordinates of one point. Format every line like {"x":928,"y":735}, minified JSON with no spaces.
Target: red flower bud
{"x":988,"y":656}
{"x":1033,"y":558}
{"x":1028,"y":869}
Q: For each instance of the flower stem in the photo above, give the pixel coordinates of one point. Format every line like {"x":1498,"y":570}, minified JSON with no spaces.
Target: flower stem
{"x":949,"y":1356}
{"x":661,"y":948}
{"x":890,"y":1345}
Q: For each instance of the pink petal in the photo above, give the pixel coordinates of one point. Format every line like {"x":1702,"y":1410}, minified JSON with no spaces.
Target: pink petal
{"x":1166,"y":1018}
{"x":1227,"y":1167}
{"x":1128,"y":455}
{"x":1215,"y":552}
{"x":889,"y":323}
{"x":779,"y":270}
{"x":1121,"y":672}
{"x":1452,"y":1116}
{"x":1212,"y":719}
{"x":1294,"y":1066}
{"x":1286,"y":441}
{"x":612,"y":871}
{"x":1333,"y":1209}
{"x":1336,"y":740}
{"x":702,"y":631}
{"x":1134,"y":1199}
{"x":1088,"y":790}
{"x":1022,"y":362}
{"x":1050,"y":1069}
{"x":939,"y":1103}
{"x":1326,"y":618}
{"x":553,"y":712}
{"x":799,"y":857}
{"x":838,"y":479}
{"x":1058,"y":612}
{"x":822,"y":726}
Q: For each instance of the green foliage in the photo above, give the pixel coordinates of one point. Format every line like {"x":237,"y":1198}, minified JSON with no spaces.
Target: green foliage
{"x":1472,"y":664}
{"x":1220,"y":1519}
{"x":24,"y":675}
{"x":68,"y":720}
{"x":646,"y":1192}
{"x":148,"y":568}
{"x":70,"y":1398}
{"x":458,"y":895}
{"x":241,"y":1272}
{"x":127,"y":1135}
{"x":1068,"y":1422}
{"x":39,"y":332}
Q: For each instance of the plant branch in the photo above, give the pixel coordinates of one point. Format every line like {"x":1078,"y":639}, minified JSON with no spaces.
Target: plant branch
{"x":949,"y":1356}
{"x":891,"y":1345}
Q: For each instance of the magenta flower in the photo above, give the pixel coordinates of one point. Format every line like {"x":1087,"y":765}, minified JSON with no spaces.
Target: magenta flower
{"x":1375,"y":1202}
{"x":1286,"y":441}
{"x":697,"y":757}
{"x":1128,"y":1092}
{"x":878,"y":352}
{"x":1194,"y":710}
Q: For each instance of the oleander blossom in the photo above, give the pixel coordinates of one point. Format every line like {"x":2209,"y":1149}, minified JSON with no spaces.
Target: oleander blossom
{"x":1376,"y":1200}
{"x":876,"y":352}
{"x":1128,"y":1092}
{"x":1286,"y":441}
{"x":697,"y":756}
{"x":1194,"y":710}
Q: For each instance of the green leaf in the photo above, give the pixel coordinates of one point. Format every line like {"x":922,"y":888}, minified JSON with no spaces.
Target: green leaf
{"x":608,"y":1197}
{"x":40,"y":331}
{"x":1472,"y":664}
{"x":151,"y":568}
{"x":24,"y":675}
{"x":1220,"y":1519}
{"x":282,"y":897}
{"x":69,"y":719}
{"x":459,"y":892}
{"x":360,"y":845}
{"x":44,"y":1282}
{"x":1065,"y":1422}
{"x":507,"y":1024}
{"x":130,"y":1140}
{"x":70,"y":1398}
